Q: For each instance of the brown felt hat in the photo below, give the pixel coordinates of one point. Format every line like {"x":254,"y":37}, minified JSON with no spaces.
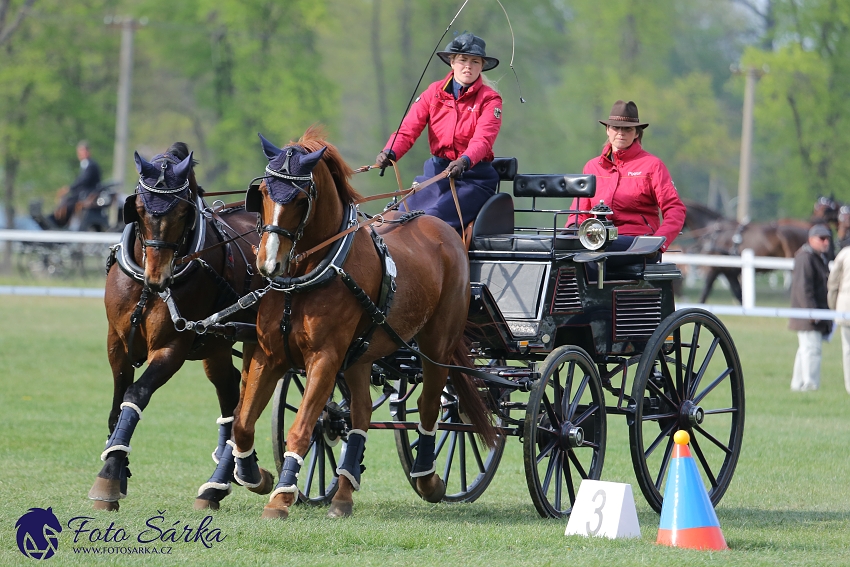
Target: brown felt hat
{"x":624,"y":114}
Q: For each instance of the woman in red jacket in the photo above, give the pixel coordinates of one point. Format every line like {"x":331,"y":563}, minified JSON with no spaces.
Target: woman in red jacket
{"x":634,"y":183}
{"x":463,"y":115}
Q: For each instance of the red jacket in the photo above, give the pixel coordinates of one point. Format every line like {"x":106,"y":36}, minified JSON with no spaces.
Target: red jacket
{"x":636,"y":185}
{"x":466,"y":126}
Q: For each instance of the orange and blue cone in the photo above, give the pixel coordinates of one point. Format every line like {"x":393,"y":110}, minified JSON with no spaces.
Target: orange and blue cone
{"x":687,"y":516}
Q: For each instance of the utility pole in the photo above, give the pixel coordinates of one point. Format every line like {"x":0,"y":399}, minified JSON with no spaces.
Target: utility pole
{"x":128,"y":26}
{"x":746,"y":139}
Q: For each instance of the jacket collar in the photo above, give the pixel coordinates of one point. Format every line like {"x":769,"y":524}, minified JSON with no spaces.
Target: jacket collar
{"x":447,"y":87}
{"x":609,"y":158}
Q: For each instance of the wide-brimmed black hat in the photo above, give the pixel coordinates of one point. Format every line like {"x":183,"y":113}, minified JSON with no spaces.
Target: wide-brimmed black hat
{"x":468,"y":44}
{"x":624,"y":114}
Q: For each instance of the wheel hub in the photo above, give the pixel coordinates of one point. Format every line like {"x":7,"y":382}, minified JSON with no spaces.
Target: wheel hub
{"x":570,"y":436}
{"x":691,"y":414}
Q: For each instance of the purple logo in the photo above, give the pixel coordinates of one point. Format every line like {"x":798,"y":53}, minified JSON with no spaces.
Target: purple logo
{"x":38,"y":533}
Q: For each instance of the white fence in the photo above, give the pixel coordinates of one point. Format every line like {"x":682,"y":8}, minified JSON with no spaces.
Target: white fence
{"x":747,"y":262}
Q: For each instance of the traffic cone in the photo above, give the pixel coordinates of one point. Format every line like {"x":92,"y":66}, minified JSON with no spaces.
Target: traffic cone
{"x":687,"y":516}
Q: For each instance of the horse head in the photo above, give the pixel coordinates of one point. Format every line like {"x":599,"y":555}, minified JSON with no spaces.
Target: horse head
{"x":826,"y":210}
{"x":295,"y":211}
{"x":164,"y":210}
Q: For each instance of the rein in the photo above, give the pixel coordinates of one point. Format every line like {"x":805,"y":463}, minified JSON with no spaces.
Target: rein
{"x":407,"y":193}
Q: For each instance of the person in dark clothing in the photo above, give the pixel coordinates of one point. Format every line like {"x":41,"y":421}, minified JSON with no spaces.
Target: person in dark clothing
{"x":809,"y":291}
{"x":84,"y":185}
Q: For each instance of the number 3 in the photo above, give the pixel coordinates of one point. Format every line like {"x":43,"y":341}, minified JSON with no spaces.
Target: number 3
{"x":597,"y":512}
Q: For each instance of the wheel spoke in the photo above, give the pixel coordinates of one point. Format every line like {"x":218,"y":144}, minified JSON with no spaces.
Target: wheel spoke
{"x":705,"y":466}
{"x":559,"y":468}
{"x":709,"y":354}
{"x":689,"y":369}
{"x":579,"y":392}
{"x":589,"y":412}
{"x":577,"y":464}
{"x":725,"y":448}
{"x":311,"y":469}
{"x":571,"y":491}
{"x":440,"y":444}
{"x":550,"y":467}
{"x":650,"y":385}
{"x":550,"y":413}
{"x":450,"y":456}
{"x":291,"y":408}
{"x":723,"y":375}
{"x":546,"y":450}
{"x":462,"y":455}
{"x":475,"y":452}
{"x":298,"y":384}
{"x":665,"y":461}
{"x":677,"y":344}
{"x":661,"y":435}
{"x":717,"y":411}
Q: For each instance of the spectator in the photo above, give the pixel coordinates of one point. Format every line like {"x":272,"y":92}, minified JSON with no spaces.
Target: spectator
{"x":84,"y":185}
{"x":808,"y":291}
{"x":838,"y":297}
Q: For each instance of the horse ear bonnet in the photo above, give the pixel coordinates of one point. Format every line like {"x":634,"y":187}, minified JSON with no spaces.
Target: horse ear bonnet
{"x":288,"y":171}
{"x":163,"y":181}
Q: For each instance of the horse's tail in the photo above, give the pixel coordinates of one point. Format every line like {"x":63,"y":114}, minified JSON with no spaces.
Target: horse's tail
{"x":469,"y":395}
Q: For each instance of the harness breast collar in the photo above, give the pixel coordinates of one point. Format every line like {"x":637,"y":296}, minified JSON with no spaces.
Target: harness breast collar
{"x":122,"y":253}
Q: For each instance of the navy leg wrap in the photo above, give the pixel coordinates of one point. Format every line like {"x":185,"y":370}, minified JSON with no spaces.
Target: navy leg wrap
{"x":424,"y":463}
{"x":247,"y":470}
{"x":225,"y":428}
{"x":352,"y":463}
{"x":223,"y":474}
{"x":288,"y":481}
{"x":120,"y":438}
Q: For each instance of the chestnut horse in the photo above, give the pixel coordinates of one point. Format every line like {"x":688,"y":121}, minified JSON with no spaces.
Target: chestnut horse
{"x":313,"y":317}
{"x":717,"y":234}
{"x":167,"y":220}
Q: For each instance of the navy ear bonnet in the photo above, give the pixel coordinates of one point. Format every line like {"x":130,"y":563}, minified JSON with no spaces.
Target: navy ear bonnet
{"x":163,"y":181}
{"x":289,"y":171}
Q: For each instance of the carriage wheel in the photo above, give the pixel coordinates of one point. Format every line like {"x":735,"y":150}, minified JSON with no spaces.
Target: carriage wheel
{"x":318,"y":478}
{"x":565,"y":430}
{"x":689,"y":377}
{"x":465,"y":464}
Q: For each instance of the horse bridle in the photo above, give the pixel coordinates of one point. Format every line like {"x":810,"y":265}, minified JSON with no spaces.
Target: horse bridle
{"x":156,"y":188}
{"x":253,"y":203}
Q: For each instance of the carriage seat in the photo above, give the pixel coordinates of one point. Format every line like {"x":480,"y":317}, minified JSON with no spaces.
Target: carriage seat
{"x":494,"y":226}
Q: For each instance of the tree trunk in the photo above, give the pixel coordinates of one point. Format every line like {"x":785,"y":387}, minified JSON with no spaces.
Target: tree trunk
{"x":378,"y":63}
{"x":10,"y":171}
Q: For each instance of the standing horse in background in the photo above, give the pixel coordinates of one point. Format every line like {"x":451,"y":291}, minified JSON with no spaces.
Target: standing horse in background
{"x":167,"y":221}
{"x":718,"y":235}
{"x":316,"y":316}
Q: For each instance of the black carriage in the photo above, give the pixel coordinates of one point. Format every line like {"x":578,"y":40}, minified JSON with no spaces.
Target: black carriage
{"x":567,"y":334}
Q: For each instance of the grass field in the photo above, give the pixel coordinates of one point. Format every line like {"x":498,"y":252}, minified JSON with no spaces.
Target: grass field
{"x":789,"y":503}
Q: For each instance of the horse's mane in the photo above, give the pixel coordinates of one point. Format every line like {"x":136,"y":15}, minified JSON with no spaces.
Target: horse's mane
{"x":703,"y":209}
{"x":315,"y":139}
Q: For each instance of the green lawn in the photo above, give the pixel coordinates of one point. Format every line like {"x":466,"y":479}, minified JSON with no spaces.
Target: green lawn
{"x":788,"y":504}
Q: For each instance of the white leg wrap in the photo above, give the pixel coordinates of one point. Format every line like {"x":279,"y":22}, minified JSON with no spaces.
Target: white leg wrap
{"x":240,"y":454}
{"x":132,"y":406}
{"x":424,"y":431}
{"x":424,"y":473}
{"x":215,"y":485}
{"x":283,"y":490}
{"x":125,"y":448}
{"x":295,"y":456}
{"x":359,"y":432}
{"x":349,"y":476}
{"x":223,"y":420}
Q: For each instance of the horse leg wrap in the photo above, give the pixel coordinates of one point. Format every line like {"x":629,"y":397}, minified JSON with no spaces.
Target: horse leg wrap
{"x":352,"y":462}
{"x":225,"y":428}
{"x":288,"y":481}
{"x":120,"y":438}
{"x":223,"y":474}
{"x":425,"y":462}
{"x":247,"y":470}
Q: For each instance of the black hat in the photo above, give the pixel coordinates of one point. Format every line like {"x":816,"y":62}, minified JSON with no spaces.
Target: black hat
{"x":624,"y":114}
{"x":468,"y":44}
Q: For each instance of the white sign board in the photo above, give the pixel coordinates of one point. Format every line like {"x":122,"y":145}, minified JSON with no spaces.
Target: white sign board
{"x":604,"y":509}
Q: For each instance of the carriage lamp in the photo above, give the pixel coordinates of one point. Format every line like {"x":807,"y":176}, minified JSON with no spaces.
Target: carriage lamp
{"x":596,"y":232}
{"x":523,"y":328}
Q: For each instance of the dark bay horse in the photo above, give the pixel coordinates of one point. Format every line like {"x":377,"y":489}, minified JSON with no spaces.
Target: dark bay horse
{"x":167,"y":220}
{"x":715,"y":234}
{"x":312,"y":318}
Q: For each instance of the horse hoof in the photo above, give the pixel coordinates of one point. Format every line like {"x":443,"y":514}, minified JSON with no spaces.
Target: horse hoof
{"x":201,"y":504}
{"x":340,"y":509}
{"x":431,"y":490}
{"x":105,"y":489}
{"x":273,"y":513}
{"x":266,"y":484}
{"x":105,"y":505}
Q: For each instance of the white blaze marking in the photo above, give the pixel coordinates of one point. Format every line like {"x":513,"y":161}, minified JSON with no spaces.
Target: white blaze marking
{"x":272,"y":245}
